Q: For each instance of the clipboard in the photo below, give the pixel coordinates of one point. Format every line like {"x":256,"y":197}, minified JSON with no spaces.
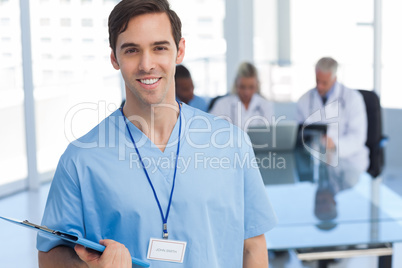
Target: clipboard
{"x":68,"y":237}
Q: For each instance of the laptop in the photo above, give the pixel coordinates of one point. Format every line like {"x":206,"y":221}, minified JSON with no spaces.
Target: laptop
{"x":275,"y":137}
{"x":307,"y":132}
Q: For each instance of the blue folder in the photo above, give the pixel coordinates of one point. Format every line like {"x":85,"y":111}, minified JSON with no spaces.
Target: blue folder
{"x":69,"y":237}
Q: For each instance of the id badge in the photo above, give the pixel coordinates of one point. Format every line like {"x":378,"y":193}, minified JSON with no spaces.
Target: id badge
{"x":166,"y":250}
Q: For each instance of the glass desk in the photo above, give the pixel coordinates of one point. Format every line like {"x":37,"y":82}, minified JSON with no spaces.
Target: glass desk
{"x":327,"y":212}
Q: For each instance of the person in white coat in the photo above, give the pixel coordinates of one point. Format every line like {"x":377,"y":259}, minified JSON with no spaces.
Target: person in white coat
{"x":245,"y":106}
{"x":342,"y":109}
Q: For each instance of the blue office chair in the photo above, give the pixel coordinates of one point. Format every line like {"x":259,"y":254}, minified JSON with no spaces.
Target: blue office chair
{"x":375,"y":139}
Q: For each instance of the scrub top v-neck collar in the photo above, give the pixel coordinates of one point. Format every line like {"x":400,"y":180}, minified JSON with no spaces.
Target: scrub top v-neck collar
{"x":151,"y":152}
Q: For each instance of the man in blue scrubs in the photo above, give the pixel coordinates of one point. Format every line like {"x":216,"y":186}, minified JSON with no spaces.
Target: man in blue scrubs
{"x":157,"y":180}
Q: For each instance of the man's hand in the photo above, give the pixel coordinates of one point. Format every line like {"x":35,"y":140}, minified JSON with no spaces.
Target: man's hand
{"x":330,"y":143}
{"x":115,"y":255}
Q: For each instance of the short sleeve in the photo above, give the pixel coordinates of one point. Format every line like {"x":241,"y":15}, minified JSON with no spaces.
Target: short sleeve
{"x":63,"y":209}
{"x":259,"y":216}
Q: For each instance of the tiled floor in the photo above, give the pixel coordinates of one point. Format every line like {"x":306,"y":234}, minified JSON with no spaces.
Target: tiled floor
{"x":17,"y":247}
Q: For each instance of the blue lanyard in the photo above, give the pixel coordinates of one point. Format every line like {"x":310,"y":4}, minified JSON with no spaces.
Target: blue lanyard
{"x":165,"y":233}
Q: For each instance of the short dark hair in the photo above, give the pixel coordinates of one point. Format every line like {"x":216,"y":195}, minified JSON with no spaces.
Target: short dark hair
{"x":181,"y":72}
{"x":124,"y":11}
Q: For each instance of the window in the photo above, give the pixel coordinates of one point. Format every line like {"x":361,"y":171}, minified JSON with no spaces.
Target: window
{"x":48,"y":75}
{"x":205,"y":44}
{"x":205,"y":21}
{"x":4,"y":22}
{"x":47,"y":56}
{"x":65,"y":22}
{"x":67,"y":40}
{"x":13,"y":156}
{"x":87,"y":22}
{"x":46,"y":40}
{"x":88,"y":57}
{"x":44,"y":22}
{"x":391,"y":94}
{"x":67,"y":76}
{"x":7,"y":55}
{"x":286,"y":58}
{"x":65,"y":57}
{"x":87,"y":40}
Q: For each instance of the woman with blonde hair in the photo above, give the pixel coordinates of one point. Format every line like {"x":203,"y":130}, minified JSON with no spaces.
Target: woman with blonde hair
{"x":245,"y":106}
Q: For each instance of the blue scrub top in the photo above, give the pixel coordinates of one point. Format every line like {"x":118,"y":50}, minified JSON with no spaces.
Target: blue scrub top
{"x":100,"y":190}
{"x":199,"y":103}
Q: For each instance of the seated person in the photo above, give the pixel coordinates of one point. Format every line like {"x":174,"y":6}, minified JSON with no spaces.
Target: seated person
{"x":213,"y":100}
{"x":185,"y":89}
{"x":344,"y":112}
{"x":245,"y":106}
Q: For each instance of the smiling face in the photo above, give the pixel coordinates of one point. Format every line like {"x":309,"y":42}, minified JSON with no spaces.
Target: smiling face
{"x":147,"y":56}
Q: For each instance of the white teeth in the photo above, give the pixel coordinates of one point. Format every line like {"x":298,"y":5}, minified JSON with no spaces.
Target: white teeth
{"x":149,"y":81}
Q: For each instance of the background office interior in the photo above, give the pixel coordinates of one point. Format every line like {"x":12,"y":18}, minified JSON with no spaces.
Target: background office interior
{"x":56,"y":80}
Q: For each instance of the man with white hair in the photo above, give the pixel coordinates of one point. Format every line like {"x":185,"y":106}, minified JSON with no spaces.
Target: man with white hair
{"x":342,"y":109}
